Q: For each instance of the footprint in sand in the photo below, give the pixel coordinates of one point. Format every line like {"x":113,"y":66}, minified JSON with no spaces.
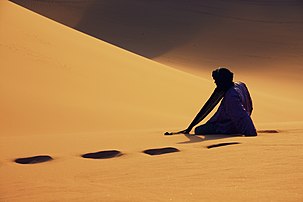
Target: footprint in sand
{"x":103,"y":154}
{"x":268,"y":131}
{"x":222,"y":144}
{"x":160,"y":151}
{"x":34,"y":159}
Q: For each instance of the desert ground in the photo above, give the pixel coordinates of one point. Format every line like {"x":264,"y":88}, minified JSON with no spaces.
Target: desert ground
{"x":80,"y":77}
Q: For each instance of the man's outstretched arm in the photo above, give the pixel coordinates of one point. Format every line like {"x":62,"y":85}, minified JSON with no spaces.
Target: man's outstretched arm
{"x":210,"y":104}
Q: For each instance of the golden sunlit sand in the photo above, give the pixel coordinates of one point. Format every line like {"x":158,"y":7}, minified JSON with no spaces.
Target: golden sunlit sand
{"x":83,"y":120}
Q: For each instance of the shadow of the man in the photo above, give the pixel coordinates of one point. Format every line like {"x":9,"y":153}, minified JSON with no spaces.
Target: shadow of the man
{"x":200,"y":138}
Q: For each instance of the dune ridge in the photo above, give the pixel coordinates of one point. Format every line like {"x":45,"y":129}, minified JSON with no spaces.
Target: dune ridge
{"x":72,"y":73}
{"x":193,"y":36}
{"x":260,"y":41}
{"x":67,"y":94}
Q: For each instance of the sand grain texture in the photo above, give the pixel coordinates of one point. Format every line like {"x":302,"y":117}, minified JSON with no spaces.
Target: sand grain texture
{"x":65,"y":93}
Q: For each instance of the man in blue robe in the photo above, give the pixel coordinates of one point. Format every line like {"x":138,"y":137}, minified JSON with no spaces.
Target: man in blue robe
{"x":233,"y":114}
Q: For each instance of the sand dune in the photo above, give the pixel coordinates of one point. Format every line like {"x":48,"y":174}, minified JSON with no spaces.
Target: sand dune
{"x":194,"y":36}
{"x":260,"y":40}
{"x":66,"y":95}
{"x":82,"y":80}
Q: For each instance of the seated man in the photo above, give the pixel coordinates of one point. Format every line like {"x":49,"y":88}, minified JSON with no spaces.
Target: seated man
{"x":233,"y":114}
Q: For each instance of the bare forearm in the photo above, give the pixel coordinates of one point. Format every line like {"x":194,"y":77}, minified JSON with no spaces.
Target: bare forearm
{"x":214,"y":99}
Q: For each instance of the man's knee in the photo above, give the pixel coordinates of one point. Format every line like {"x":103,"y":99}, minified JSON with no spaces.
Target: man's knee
{"x":205,"y":129}
{"x":198,"y":130}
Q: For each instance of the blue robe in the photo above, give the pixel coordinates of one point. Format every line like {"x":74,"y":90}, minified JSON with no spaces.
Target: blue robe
{"x":233,"y":114}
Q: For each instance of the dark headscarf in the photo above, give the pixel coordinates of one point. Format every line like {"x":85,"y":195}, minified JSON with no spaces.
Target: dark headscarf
{"x":223,"y":78}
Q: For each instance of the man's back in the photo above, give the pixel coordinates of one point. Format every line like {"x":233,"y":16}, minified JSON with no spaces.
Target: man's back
{"x":245,"y":96}
{"x":233,"y":114}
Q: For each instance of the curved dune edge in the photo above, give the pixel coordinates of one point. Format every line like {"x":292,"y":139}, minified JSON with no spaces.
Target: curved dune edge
{"x":64,"y":92}
{"x":195,"y":36}
{"x":262,"y":54}
{"x":71,"y":82}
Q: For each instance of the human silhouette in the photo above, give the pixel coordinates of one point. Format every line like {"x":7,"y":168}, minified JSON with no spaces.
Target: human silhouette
{"x":233,"y":114}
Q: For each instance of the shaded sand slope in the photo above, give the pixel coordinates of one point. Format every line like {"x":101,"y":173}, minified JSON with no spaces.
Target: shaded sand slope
{"x":261,"y":41}
{"x":55,"y":79}
{"x":193,"y":35}
{"x":65,"y":95}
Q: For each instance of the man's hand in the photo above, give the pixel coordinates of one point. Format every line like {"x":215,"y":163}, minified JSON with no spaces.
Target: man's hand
{"x":186,"y":131}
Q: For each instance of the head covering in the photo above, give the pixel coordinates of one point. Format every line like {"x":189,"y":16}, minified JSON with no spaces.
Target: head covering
{"x":223,"y":78}
{"x":222,"y":73}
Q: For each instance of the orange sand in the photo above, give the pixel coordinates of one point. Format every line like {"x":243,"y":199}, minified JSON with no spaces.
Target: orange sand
{"x":65,"y":93}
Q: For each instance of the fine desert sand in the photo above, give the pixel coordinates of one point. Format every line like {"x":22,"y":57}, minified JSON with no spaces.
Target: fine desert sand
{"x":89,"y":87}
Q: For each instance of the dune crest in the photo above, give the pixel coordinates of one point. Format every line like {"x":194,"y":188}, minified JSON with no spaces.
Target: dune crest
{"x":71,"y":82}
{"x":200,"y":35}
{"x":64,"y":93}
{"x":261,"y":41}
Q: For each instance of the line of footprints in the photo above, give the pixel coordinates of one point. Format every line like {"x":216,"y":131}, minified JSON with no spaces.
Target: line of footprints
{"x":111,"y":154}
{"x":115,"y":153}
